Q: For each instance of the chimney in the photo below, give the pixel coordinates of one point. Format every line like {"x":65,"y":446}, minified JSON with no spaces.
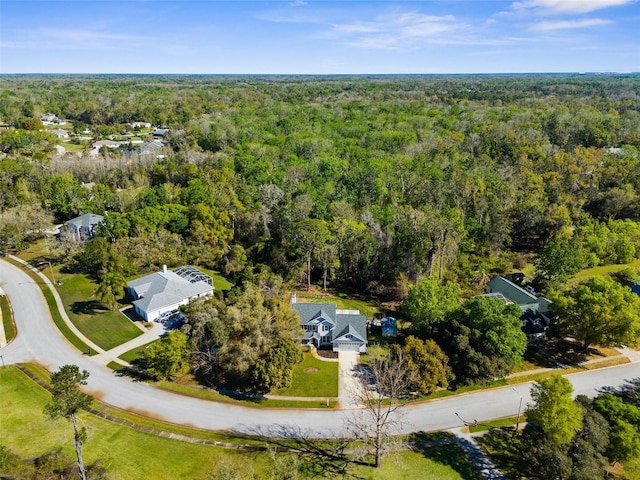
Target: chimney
{"x":164,"y":269}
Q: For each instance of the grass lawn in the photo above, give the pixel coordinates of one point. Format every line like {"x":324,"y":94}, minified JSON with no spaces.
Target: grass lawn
{"x":603,"y":270}
{"x":107,"y":328}
{"x":312,"y":378}
{"x":219,"y":282}
{"x":7,"y":319}
{"x":135,"y":354}
{"x":128,"y":453}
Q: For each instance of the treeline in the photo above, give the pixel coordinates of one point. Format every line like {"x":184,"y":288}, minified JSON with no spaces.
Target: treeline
{"x":371,"y":182}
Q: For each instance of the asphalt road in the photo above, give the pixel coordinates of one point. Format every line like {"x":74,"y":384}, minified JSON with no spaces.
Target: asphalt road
{"x":39,"y":341}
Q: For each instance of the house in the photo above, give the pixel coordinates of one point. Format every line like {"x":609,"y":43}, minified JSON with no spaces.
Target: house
{"x":162,"y":293}
{"x":536,"y":318}
{"x":139,"y":125}
{"x":60,"y":133}
{"x":326,"y":326}
{"x":83,"y":227}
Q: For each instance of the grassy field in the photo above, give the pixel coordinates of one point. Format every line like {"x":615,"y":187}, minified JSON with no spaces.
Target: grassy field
{"x":128,"y":453}
{"x":601,"y":271}
{"x":313,"y":378}
{"x":7,"y":319}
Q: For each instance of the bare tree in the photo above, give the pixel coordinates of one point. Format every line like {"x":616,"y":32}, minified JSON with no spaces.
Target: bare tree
{"x":382,"y":392}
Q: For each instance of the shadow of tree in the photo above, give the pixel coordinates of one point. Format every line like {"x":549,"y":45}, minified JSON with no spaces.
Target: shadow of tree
{"x":89,"y":307}
{"x":317,"y":458}
{"x":505,"y":449}
{"x":452,"y":455}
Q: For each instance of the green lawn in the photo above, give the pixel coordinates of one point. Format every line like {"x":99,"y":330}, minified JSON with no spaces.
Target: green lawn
{"x":7,"y":319}
{"x":128,"y":453}
{"x":107,"y":328}
{"x":600,"y":271}
{"x":313,"y":378}
{"x":135,"y":354}
{"x":219,"y":282}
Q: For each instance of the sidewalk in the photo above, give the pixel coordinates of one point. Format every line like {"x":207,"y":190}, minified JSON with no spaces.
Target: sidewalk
{"x":112,"y":355}
{"x":476,"y":454}
{"x":3,"y":337}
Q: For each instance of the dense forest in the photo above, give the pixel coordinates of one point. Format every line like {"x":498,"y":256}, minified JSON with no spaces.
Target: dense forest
{"x":413,"y":187}
{"x":367,"y":182}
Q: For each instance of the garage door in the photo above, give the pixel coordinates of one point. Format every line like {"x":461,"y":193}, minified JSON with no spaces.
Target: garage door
{"x":349,"y":346}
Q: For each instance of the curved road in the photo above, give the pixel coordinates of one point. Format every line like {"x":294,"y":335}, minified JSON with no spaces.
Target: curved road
{"x":39,"y":341}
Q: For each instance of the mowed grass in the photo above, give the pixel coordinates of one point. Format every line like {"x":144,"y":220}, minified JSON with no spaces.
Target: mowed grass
{"x":125,"y":452}
{"x":601,"y":271}
{"x":312,"y":378}
{"x":7,"y":319}
{"x":128,"y":453}
{"x":107,"y":328}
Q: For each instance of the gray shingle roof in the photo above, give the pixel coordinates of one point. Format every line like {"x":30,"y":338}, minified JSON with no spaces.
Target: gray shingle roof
{"x":344,"y":323}
{"x":88,"y":220}
{"x":510,"y":290}
{"x":163,"y":289}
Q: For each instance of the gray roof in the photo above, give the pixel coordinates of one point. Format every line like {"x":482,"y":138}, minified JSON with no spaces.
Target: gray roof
{"x":511,"y":291}
{"x":356,"y":324}
{"x":163,"y":289}
{"x":88,"y":220}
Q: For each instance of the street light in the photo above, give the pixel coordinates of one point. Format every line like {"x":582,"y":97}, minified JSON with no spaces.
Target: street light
{"x":519,"y":408}
{"x":53,"y":280}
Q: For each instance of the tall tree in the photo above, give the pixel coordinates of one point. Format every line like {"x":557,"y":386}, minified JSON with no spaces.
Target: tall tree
{"x":110,"y":288}
{"x":553,"y":409}
{"x":426,"y":364}
{"x":168,"y":356}
{"x":382,"y":393}
{"x":599,"y":311}
{"x":67,"y":401}
{"x":428,"y":302}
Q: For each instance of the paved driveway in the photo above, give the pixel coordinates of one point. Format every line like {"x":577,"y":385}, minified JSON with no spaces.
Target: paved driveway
{"x":348,"y":382}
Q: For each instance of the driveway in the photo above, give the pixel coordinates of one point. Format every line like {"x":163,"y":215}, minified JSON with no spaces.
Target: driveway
{"x":348,"y":381}
{"x":38,"y":340}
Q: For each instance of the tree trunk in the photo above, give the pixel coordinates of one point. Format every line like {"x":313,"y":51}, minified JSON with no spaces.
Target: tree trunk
{"x":378,"y":447}
{"x":78,"y":442}
{"x":324,"y":281}
{"x":309,"y":271}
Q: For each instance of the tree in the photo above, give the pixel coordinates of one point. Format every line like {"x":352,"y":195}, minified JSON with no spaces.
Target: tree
{"x":483,"y":339}
{"x":382,"y":392}
{"x":624,"y":419}
{"x":111,"y":288}
{"x":67,"y":401}
{"x":429,"y":301}
{"x":600,"y":311}
{"x":426,"y":364}
{"x":559,"y":260}
{"x":168,"y":356}
{"x":553,"y":409}
{"x":275,"y":370}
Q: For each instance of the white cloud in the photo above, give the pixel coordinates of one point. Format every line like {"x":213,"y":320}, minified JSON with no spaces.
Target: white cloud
{"x":398,"y":29}
{"x":569,"y":24}
{"x":297,"y":3}
{"x":567,"y":6}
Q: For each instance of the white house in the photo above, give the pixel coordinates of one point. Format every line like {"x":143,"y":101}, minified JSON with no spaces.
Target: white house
{"x":82,"y":228}
{"x":164,"y":292}
{"x":324,"y":325}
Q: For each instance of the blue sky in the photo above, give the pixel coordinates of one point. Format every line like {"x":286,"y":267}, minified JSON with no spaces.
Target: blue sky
{"x":319,"y":37}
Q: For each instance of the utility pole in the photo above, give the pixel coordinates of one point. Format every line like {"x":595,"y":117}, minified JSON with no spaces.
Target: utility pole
{"x":519,"y":408}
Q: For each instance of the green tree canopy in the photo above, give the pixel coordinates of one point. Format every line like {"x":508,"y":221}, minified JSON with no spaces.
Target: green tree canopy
{"x":553,"y":409}
{"x":598,"y":310}
{"x":426,"y":365}
{"x":428,"y":303}
{"x":169,"y":356}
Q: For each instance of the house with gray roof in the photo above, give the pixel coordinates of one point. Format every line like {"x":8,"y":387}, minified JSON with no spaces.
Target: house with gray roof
{"x":325,"y":326}
{"x":161,"y":294}
{"x":83,"y":227}
{"x":536,"y":318}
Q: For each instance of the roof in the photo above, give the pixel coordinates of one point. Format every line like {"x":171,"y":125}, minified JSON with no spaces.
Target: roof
{"x":163,"y":289}
{"x":87,"y":220}
{"x":511,"y":291}
{"x":345,"y":323}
